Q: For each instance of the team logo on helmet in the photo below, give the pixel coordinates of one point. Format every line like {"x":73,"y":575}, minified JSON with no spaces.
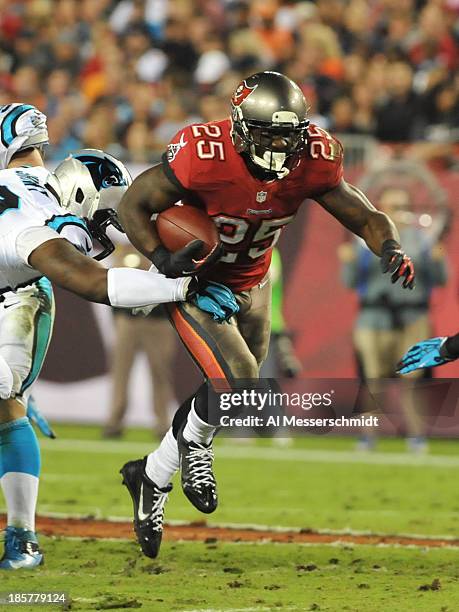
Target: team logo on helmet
{"x":104,"y":172}
{"x":242,"y":93}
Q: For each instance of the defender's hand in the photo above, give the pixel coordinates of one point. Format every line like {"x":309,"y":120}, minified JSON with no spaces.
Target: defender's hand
{"x":213,"y":298}
{"x":34,"y":415}
{"x":187,"y":261}
{"x":395,"y":261}
{"x":425,"y":354}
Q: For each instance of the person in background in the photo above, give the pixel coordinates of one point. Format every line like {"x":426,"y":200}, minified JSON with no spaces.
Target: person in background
{"x":390,"y":320}
{"x":136,"y":334}
{"x":281,"y":361}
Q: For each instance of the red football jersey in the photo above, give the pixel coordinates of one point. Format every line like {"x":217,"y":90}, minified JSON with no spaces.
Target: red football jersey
{"x":249,"y":213}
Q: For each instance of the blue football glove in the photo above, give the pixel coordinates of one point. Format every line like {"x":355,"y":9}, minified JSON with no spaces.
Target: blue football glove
{"x":213,"y":298}
{"x":425,"y":354}
{"x":34,"y":415}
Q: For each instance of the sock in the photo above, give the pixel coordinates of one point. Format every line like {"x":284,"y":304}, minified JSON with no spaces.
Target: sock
{"x":181,"y":415}
{"x":163,"y":463}
{"x":19,"y":471}
{"x":196,"y":430}
{"x":199,"y":400}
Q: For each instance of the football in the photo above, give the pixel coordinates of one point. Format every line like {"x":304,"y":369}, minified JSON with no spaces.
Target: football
{"x":179,"y":225}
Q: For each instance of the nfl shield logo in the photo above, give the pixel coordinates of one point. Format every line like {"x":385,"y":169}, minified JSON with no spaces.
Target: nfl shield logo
{"x":261,"y":196}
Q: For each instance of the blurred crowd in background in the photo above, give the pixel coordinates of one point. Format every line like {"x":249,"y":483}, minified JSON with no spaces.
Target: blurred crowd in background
{"x":125,"y":75}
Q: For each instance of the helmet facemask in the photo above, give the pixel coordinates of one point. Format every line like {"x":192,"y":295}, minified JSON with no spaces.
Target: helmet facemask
{"x":272,"y":146}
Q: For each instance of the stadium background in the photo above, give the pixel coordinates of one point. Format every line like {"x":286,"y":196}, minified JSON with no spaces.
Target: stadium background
{"x":125,"y":76}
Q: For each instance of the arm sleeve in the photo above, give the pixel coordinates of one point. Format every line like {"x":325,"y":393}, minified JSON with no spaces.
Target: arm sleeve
{"x":131,"y":288}
{"x":31,"y":238}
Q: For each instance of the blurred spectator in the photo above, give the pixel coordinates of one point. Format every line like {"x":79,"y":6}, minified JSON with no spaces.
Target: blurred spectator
{"x":178,"y":47}
{"x":390,"y":318}
{"x":152,"y":335}
{"x":173,"y":118}
{"x":138,"y":143}
{"x":396,"y":114}
{"x":342,"y":116}
{"x":213,"y":61}
{"x":277,"y":39}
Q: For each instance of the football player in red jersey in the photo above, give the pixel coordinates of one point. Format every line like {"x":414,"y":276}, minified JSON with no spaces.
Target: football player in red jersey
{"x":250,"y":172}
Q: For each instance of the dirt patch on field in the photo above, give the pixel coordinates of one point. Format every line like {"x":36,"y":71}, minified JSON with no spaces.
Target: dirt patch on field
{"x":92,"y":528}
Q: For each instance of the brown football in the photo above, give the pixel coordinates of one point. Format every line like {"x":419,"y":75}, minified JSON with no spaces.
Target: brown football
{"x":179,"y":225}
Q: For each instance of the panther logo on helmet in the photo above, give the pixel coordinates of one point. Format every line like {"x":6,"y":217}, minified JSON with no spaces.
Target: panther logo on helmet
{"x":105,"y":173}
{"x":242,"y":93}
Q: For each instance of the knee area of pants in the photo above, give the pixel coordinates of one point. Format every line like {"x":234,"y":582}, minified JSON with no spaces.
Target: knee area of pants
{"x":6,"y":380}
{"x":245,"y":368}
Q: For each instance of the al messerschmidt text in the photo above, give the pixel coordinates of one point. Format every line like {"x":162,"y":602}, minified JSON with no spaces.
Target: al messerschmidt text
{"x":294,"y":421}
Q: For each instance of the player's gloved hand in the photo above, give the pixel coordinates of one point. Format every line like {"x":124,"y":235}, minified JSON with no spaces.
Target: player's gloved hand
{"x":34,"y":415}
{"x":395,"y":261}
{"x":213,"y":298}
{"x":426,"y":354}
{"x":187,"y":261}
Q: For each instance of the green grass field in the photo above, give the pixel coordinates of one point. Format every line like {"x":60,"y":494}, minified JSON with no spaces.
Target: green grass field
{"x":318,"y":483}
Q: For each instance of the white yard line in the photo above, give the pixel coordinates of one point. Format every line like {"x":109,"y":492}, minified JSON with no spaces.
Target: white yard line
{"x":97,"y":515}
{"x":262,"y":453}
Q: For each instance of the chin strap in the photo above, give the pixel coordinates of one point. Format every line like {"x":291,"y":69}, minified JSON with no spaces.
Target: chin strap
{"x":269,"y":160}
{"x":282,"y":173}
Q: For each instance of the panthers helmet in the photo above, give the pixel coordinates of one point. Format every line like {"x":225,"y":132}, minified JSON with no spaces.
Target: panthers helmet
{"x":269,"y":122}
{"x":92,"y":183}
{"x":22,"y":126}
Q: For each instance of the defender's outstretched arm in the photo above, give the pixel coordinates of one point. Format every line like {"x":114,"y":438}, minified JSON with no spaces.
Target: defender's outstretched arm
{"x":60,"y":261}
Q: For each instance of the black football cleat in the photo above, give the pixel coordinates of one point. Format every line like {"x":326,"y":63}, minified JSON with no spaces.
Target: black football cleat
{"x":198,"y":480}
{"x":148,"y":500}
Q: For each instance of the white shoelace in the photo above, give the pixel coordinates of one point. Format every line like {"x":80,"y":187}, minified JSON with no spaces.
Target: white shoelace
{"x":157,"y":513}
{"x":201,"y":466}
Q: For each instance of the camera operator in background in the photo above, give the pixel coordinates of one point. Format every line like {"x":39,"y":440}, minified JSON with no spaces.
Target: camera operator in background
{"x":390,"y":320}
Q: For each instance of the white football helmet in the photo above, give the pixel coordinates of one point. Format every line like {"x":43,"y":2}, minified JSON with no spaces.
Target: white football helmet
{"x":22,"y":126}
{"x":91,"y":184}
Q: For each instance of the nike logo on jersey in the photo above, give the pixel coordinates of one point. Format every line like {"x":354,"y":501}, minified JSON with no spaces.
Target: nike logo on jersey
{"x":252,"y":211}
{"x":9,"y":305}
{"x":140,"y":513}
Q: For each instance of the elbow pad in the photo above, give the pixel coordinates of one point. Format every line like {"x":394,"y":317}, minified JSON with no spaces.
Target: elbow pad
{"x":131,"y":288}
